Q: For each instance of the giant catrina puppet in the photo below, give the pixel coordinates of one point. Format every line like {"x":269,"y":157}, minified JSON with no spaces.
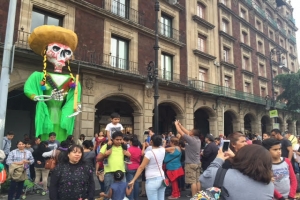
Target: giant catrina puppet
{"x":57,"y":93}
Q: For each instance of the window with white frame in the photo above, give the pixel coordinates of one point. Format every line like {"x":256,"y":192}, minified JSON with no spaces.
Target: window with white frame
{"x":262,"y":70}
{"x":225,"y":26}
{"x":226,"y":54}
{"x":166,"y":25}
{"x":243,"y":14}
{"x":201,"y":43}
{"x":166,"y":66}
{"x":246,"y":63}
{"x":263,"y":92}
{"x":120,"y":8}
{"x":119,"y":53}
{"x":247,"y":87}
{"x":244,"y":38}
{"x":201,"y":10}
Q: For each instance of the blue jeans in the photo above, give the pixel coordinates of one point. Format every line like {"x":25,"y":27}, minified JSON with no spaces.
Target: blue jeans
{"x":108,"y":180}
{"x":296,"y":167}
{"x":154,"y":189}
{"x":135,"y":192}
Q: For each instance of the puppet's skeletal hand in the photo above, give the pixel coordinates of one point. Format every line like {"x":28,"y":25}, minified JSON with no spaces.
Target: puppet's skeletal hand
{"x":77,"y":111}
{"x":58,"y":95}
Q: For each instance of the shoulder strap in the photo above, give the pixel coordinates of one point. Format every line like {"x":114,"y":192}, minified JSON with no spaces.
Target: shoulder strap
{"x":219,"y":179}
{"x":157,"y":164}
{"x":174,"y":158}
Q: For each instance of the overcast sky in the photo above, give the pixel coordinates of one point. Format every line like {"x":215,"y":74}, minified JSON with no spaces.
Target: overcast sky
{"x":296,"y":6}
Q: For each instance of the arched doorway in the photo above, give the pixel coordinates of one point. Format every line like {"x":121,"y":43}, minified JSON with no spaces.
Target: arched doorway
{"x":167,"y":116}
{"x":229,"y":120}
{"x":249,"y":123}
{"x":114,"y":104}
{"x":201,"y":121}
{"x":20,"y":114}
{"x":265,"y":124}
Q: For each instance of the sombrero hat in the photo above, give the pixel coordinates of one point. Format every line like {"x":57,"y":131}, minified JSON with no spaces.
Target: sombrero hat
{"x":44,"y":35}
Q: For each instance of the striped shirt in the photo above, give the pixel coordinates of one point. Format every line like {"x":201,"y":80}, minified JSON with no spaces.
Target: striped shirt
{"x":17,"y":156}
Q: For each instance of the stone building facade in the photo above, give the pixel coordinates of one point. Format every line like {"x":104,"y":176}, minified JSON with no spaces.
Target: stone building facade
{"x":209,"y":52}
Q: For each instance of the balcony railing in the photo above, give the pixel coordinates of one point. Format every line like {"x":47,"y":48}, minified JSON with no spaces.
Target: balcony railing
{"x":292,"y":38}
{"x":22,"y":39}
{"x":123,"y":11}
{"x":108,"y":61}
{"x":228,"y":92}
{"x":259,"y":10}
{"x":282,"y":31}
{"x":249,"y":2}
{"x":290,"y":18}
{"x":168,"y":75}
{"x":168,"y":31}
{"x":274,"y":23}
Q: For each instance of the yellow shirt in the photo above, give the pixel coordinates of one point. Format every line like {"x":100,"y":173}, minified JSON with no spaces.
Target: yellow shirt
{"x":115,"y":159}
{"x":293,"y":140}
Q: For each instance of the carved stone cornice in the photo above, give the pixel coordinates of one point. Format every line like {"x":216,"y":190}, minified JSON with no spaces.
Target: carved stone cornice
{"x":229,"y":65}
{"x":245,"y":46}
{"x":227,"y":36}
{"x":203,"y":54}
{"x":244,"y":71}
{"x":203,"y":22}
{"x":263,"y":79}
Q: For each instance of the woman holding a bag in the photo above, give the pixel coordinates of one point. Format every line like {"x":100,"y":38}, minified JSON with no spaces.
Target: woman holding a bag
{"x":39,"y":164}
{"x":153,"y":161}
{"x":173,"y":166}
{"x":18,"y":158}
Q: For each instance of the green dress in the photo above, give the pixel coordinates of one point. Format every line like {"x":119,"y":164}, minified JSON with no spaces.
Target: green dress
{"x":52,"y":115}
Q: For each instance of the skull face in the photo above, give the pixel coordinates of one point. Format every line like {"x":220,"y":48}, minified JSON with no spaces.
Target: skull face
{"x":58,"y":54}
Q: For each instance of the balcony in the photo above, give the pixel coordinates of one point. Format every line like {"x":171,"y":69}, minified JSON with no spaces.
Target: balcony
{"x":259,"y":10}
{"x":249,"y":2}
{"x":123,"y":11}
{"x":228,"y":92}
{"x":283,"y":31}
{"x":292,"y":39}
{"x":168,"y":75}
{"x":291,"y":19}
{"x":168,"y":31}
{"x":273,"y":23}
{"x":99,"y":60}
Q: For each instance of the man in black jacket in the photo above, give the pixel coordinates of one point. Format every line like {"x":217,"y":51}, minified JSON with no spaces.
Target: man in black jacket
{"x":210,"y":151}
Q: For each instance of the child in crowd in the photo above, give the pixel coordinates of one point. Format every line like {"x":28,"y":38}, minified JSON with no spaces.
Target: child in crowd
{"x":28,"y":146}
{"x":119,"y":189}
{"x":266,"y":136}
{"x":285,"y":181}
{"x":110,"y":129}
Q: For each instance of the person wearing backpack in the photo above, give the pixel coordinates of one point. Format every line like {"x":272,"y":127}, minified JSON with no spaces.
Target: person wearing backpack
{"x":249,"y":178}
{"x":285,"y":180}
{"x":6,"y":145}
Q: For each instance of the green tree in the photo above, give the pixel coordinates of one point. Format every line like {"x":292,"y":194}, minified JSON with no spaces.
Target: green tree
{"x":291,"y":89}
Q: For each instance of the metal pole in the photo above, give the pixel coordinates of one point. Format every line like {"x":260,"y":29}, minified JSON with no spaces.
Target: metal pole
{"x":156,"y":48}
{"x":7,"y":52}
{"x":272,"y":82}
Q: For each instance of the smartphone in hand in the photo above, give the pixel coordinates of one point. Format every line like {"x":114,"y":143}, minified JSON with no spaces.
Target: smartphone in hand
{"x":226,"y":144}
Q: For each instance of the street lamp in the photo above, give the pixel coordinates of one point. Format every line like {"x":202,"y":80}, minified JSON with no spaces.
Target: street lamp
{"x":273,"y":52}
{"x":152,"y":68}
{"x":152,"y":79}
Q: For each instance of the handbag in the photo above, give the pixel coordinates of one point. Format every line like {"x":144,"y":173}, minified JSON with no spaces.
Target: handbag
{"x":165,"y":181}
{"x":51,"y":162}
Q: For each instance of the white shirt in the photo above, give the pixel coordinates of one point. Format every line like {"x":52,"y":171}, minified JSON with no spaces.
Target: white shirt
{"x":113,"y":128}
{"x":152,"y":170}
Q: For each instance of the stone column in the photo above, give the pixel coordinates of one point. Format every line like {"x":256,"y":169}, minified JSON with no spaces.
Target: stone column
{"x":213,"y":127}
{"x":138,"y":125}
{"x":188,"y":120}
{"x":87,"y":121}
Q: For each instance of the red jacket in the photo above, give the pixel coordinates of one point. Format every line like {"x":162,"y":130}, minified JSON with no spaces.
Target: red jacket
{"x":293,"y":182}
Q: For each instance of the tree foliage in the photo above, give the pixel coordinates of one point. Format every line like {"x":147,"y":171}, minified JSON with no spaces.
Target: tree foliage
{"x":291,"y":89}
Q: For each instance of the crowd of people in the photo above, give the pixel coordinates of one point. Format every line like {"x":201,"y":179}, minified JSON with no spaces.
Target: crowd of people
{"x":254,"y":167}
